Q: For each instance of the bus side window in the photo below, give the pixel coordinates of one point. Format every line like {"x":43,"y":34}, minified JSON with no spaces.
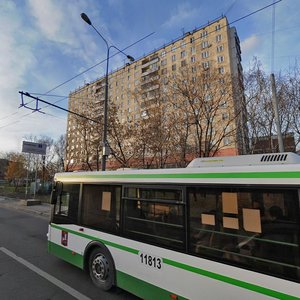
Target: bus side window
{"x":101,"y":206}
{"x":155,"y":216}
{"x":257,"y":228}
{"x":66,"y":206}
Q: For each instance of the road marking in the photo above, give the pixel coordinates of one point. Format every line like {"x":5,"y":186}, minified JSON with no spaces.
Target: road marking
{"x":45,"y":275}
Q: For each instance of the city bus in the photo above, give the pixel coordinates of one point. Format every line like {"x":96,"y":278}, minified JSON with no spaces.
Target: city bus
{"x":221,"y":228}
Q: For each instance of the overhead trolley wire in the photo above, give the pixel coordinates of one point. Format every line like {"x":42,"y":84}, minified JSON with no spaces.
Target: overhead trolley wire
{"x":90,"y":68}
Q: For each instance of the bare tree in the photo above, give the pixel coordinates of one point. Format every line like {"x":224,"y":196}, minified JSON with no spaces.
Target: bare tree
{"x":261,"y":118}
{"x":88,"y":137}
{"x":293,"y":93}
{"x":121,"y":138}
{"x":59,"y":150}
{"x":155,"y":139}
{"x":204,"y":100}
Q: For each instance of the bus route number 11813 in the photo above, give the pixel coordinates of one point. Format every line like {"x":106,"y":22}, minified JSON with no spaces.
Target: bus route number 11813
{"x":150,"y":260}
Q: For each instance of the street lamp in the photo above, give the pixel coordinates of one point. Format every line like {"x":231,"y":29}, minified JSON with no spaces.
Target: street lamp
{"x":105,"y":148}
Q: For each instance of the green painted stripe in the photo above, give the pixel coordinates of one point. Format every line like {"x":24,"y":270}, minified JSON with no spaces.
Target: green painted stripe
{"x":273,"y":175}
{"x":143,"y":289}
{"x":242,"y":284}
{"x":92,"y":238}
{"x":236,"y":282}
{"x":70,"y":256}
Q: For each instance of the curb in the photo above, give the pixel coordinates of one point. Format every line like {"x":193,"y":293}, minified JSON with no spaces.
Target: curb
{"x":15,"y":204}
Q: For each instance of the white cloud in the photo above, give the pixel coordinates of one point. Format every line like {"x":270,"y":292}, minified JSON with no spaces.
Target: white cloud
{"x":15,"y":57}
{"x":54,"y":20}
{"x":17,"y":61}
{"x":60,"y":22}
{"x":181,"y":13}
{"x":250,"y":44}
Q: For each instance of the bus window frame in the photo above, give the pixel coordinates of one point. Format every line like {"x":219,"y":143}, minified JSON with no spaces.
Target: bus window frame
{"x":56,"y":191}
{"x":61,"y":218}
{"x":154,"y":186}
{"x":238,"y":188}
{"x":81,"y":201}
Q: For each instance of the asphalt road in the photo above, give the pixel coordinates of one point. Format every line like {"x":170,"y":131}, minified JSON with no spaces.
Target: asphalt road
{"x":27,"y":271}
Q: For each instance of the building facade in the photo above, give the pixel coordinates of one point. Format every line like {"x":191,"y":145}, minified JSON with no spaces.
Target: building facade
{"x":136,"y":88}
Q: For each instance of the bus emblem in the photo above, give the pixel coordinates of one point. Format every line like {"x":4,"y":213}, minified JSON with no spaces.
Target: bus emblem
{"x":64,"y":238}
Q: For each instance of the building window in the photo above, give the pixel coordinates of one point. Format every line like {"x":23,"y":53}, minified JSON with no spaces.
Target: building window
{"x":174,"y":57}
{"x":205,"y":54}
{"x":183,"y":54}
{"x":193,"y":59}
{"x":225,"y":116}
{"x":182,"y":45}
{"x":205,"y":64}
{"x":163,"y":53}
{"x":218,"y":27}
{"x":223,"y":104}
{"x":164,"y":71}
{"x":220,"y":48}
{"x":194,"y":69}
{"x":183,"y":63}
{"x":173,"y":67}
{"x":192,"y":40}
{"x":218,"y":38}
{"x":164,"y":62}
{"x":221,"y":70}
{"x":220,"y":59}
{"x":193,"y":50}
{"x":226,"y":141}
{"x":173,"y":48}
{"x":203,"y":34}
{"x":204,"y":44}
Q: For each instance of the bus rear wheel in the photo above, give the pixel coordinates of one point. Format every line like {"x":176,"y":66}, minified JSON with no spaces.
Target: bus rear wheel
{"x":101,"y":268}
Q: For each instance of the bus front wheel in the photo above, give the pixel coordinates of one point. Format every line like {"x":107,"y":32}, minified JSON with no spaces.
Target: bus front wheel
{"x":101,"y":268}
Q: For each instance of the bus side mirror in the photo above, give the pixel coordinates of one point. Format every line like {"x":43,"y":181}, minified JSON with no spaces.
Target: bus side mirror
{"x":57,"y":191}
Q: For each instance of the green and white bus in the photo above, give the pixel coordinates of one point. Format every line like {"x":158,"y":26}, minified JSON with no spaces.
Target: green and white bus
{"x":222,"y":228}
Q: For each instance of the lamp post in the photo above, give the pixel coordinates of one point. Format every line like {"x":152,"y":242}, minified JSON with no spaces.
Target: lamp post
{"x":105,"y":148}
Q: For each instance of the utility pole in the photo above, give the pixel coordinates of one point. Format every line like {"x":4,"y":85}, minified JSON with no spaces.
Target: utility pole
{"x":275,"y":107}
{"x":273,"y":86}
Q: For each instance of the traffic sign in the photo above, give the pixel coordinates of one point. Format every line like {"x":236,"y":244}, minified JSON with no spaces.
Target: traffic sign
{"x":36,"y":148}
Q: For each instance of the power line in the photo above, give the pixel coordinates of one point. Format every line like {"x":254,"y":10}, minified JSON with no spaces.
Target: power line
{"x":97,"y":64}
{"x":14,"y":113}
{"x":88,"y":69}
{"x":256,"y":11}
{"x":81,"y":73}
{"x":37,"y":109}
{"x":237,"y":20}
{"x":17,"y":121}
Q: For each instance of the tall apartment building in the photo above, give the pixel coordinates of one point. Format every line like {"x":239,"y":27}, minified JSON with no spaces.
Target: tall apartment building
{"x":213,"y":46}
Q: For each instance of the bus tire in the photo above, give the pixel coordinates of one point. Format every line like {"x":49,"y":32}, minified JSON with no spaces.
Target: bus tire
{"x":101,"y":268}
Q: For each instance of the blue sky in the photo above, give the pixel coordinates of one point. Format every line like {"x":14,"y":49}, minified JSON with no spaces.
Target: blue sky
{"x":43,"y":43}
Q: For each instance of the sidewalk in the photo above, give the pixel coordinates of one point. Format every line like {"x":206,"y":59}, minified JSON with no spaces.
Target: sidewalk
{"x":42,"y":209}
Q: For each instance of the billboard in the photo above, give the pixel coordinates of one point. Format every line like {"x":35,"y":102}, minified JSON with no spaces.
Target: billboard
{"x":35,"y":148}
